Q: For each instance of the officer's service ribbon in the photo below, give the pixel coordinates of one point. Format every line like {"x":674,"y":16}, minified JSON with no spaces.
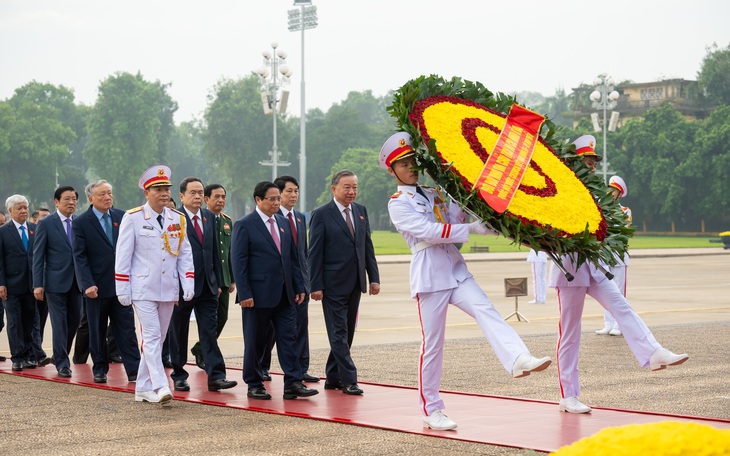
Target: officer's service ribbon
{"x":502,"y":173}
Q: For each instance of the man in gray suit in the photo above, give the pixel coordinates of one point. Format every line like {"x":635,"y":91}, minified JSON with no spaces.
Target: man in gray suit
{"x":54,"y":277}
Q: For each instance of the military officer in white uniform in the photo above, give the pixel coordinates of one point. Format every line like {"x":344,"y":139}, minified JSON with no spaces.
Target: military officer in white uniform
{"x":591,"y":281}
{"x":153,"y":260}
{"x":618,"y":189}
{"x":439,"y":277}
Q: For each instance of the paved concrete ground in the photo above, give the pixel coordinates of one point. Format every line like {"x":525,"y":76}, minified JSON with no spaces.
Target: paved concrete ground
{"x":684,"y":299}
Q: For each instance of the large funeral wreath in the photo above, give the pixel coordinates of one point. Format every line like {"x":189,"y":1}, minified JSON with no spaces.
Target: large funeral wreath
{"x":559,"y":207}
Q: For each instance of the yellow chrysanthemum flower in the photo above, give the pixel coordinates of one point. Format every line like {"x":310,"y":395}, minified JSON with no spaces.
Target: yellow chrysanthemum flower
{"x":664,"y":438}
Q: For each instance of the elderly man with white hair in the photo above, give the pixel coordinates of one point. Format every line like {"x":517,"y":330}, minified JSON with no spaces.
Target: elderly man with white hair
{"x":16,"y":247}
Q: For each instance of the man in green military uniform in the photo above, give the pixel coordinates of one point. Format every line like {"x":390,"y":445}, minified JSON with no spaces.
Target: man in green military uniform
{"x":215,"y":201}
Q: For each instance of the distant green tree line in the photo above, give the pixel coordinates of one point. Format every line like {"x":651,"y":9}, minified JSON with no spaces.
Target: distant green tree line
{"x":677,"y":170}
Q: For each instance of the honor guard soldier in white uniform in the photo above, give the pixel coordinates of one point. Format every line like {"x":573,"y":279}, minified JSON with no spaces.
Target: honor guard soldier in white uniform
{"x":153,"y":260}
{"x":439,"y":277}
{"x":618,"y":189}
{"x":590,"y":280}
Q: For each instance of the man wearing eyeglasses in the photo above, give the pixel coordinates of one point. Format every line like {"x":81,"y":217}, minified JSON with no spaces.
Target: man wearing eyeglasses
{"x":268,"y":276}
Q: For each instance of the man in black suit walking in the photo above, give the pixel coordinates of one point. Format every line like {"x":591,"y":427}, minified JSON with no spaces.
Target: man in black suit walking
{"x":54,"y":278}
{"x":95,"y":236}
{"x":16,"y":282}
{"x":203,"y":240}
{"x":267,"y":272}
{"x":341,"y":253}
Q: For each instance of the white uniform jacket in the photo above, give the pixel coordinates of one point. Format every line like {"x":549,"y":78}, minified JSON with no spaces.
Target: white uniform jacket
{"x":436,"y":264}
{"x":150,"y":259}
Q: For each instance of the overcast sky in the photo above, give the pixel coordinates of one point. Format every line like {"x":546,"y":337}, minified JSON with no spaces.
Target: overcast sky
{"x":378,"y":45}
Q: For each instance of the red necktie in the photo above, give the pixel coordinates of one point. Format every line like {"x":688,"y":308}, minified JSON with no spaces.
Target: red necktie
{"x":293,"y":228}
{"x":197,"y":229}
{"x":273,"y":234}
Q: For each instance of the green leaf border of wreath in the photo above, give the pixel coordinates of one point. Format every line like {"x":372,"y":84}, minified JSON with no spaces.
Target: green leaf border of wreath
{"x":585,"y":246}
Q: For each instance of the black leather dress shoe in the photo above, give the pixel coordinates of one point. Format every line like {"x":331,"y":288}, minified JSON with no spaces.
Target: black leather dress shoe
{"x":28,"y":364}
{"x":310,"y":378}
{"x":17,"y":366}
{"x":182,"y":385}
{"x":115,"y":359}
{"x":79,"y":360}
{"x":167,"y":363}
{"x":298,"y":390}
{"x":2,"y":358}
{"x":64,"y":372}
{"x":100,"y":378}
{"x":328,"y":385}
{"x":221,"y":384}
{"x":258,"y":393}
{"x":132,"y":377}
{"x":352,"y":389}
{"x":44,"y":361}
{"x":266,"y":376}
{"x":198,"y":359}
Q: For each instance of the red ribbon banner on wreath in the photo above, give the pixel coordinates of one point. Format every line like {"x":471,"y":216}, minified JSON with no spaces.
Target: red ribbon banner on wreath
{"x":502,"y":173}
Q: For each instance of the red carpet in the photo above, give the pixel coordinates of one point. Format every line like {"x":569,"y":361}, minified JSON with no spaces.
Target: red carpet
{"x":504,"y":421}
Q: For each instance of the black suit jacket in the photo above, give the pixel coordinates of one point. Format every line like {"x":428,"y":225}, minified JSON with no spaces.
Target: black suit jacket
{"x":302,"y":248}
{"x":259,"y":269}
{"x":206,"y":258}
{"x":94,"y":255}
{"x":337,"y":262}
{"x":53,"y":261}
{"x":15,"y":262}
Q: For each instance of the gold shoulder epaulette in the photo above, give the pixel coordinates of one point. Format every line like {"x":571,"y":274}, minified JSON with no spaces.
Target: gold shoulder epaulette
{"x":175,"y":210}
{"x":396,"y":194}
{"x":226,"y":215}
{"x":134,"y":209}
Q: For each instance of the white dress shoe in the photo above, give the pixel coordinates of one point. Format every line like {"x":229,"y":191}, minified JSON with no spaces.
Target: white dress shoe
{"x":532,"y":302}
{"x":439,"y":421}
{"x":573,"y":405}
{"x":146,"y":396}
{"x":164,"y":395}
{"x":527,"y":363}
{"x":603,"y":332}
{"x":661,"y":358}
{"x":615,"y":332}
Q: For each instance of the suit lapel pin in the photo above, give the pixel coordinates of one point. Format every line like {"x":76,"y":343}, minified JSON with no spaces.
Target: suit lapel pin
{"x":362,"y":218}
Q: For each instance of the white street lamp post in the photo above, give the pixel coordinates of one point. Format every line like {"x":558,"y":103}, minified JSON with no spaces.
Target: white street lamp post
{"x":274,"y":64}
{"x":604,"y":97}
{"x":300,"y":20}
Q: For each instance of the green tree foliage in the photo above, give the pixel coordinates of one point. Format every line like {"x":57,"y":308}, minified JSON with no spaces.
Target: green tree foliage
{"x":714,"y":75}
{"x":187,"y":156}
{"x":39,"y":126}
{"x":129,"y":129}
{"x":374,"y":184}
{"x":238,"y":137}
{"x":359,"y":121}
{"x":711,"y":157}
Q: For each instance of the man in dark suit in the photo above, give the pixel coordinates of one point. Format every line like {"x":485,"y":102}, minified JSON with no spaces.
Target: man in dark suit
{"x":41,"y":313}
{"x":215,"y":201}
{"x":16,"y":282}
{"x":95,"y":235}
{"x":289,"y":188}
{"x":203,"y":240}
{"x":340,"y":254}
{"x":54,"y":278}
{"x":267,"y":272}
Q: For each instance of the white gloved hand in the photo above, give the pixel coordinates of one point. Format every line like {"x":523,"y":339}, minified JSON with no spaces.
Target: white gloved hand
{"x":125,"y":300}
{"x":478,"y":228}
{"x":188,"y":295}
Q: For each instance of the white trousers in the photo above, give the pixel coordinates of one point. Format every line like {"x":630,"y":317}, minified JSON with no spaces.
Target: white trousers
{"x":619,"y":278}
{"x":539,"y":280}
{"x":570,"y":302}
{"x":432,"y":308}
{"x":154,"y":319}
